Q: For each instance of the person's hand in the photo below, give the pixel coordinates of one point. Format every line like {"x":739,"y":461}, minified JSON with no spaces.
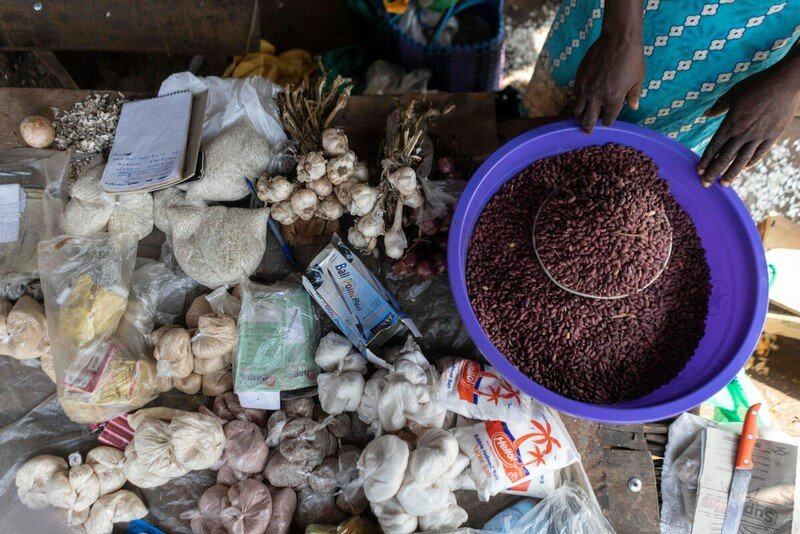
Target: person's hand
{"x":610,"y":74}
{"x":759,"y":110}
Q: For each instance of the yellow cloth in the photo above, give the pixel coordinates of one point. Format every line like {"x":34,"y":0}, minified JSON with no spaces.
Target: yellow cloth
{"x":287,"y":68}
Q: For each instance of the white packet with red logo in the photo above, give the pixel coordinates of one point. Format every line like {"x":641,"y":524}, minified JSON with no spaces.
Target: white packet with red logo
{"x":476,"y":390}
{"x":506,"y":455}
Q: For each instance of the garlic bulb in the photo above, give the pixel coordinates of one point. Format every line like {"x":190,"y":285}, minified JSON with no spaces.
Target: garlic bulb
{"x":395,"y":239}
{"x":404,"y":180}
{"x":310,"y":167}
{"x":341,"y":167}
{"x":414,"y":200}
{"x":275,"y":189}
{"x":283,"y":212}
{"x":322,"y":187}
{"x":330,"y":208}
{"x":363,"y":199}
{"x":360,"y":241}
{"x":344,"y":192}
{"x":304,"y":203}
{"x":334,"y":141}
{"x":372,"y":225}
{"x":360,"y":172}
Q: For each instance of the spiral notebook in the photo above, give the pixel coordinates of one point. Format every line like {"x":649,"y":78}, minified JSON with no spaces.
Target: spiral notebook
{"x":157,"y":143}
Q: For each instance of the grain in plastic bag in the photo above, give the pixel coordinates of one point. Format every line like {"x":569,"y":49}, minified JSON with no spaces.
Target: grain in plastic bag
{"x":103,"y":364}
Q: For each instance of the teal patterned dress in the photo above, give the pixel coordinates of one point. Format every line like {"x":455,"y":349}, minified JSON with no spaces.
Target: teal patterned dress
{"x":695,"y":51}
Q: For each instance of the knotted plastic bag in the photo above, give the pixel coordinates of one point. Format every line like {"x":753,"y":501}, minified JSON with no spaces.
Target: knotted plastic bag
{"x":208,"y":519}
{"x":246,"y":449}
{"x":393,"y":518}
{"x":249,"y":508}
{"x":217,"y":383}
{"x":227,"y":406}
{"x":284,"y":503}
{"x":120,"y":506}
{"x":339,"y":393}
{"x":107,"y":463}
{"x":382,"y":465}
{"x":33,"y":477}
{"x":216,"y":336}
{"x":25,"y":334}
{"x":173,"y":351}
{"x":197,"y":440}
{"x":435,"y":452}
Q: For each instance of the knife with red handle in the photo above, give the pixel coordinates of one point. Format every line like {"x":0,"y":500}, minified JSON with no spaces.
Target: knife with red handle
{"x":742,"y":472}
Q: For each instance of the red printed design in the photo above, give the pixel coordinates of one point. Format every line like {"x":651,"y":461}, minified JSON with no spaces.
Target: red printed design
{"x":506,"y":448}
{"x":473,"y":375}
{"x":543,"y":435}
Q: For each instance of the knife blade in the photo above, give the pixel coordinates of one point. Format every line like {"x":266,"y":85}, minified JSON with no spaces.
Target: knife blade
{"x":742,"y":472}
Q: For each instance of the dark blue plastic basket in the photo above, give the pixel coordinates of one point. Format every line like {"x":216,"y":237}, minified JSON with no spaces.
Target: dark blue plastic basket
{"x":455,"y":68}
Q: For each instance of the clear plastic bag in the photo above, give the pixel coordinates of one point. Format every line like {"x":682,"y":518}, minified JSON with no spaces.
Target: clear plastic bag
{"x":41,"y":174}
{"x":103,"y":363}
{"x":157,"y":295}
{"x":568,"y":510}
{"x":231,"y":99}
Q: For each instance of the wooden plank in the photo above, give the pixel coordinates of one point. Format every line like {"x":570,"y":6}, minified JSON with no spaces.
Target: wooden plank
{"x":782,"y":325}
{"x":624,"y":437}
{"x":18,"y":103}
{"x":178,"y":26}
{"x":631,"y":512}
{"x":55,"y":68}
{"x":779,"y":232}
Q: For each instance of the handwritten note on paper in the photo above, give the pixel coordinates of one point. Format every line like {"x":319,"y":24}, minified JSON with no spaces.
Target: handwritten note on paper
{"x":150,"y":144}
{"x":769,"y":508}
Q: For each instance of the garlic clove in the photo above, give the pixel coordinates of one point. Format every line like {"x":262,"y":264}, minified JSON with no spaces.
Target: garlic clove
{"x":363,"y":199}
{"x":283,"y":212}
{"x":334,"y":141}
{"x":330,"y":208}
{"x":304,"y":203}
{"x":404,"y":180}
{"x":322,"y":187}
{"x":414,"y":200}
{"x":274,"y":189}
{"x":372,"y":224}
{"x":361,"y":172}
{"x":360,"y":241}
{"x":311,"y":166}
{"x":341,"y":168}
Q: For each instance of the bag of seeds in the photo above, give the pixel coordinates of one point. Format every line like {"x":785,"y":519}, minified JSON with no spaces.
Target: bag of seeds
{"x":506,"y":455}
{"x":477,"y":391}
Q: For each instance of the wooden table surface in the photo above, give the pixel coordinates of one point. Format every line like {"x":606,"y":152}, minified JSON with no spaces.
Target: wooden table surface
{"x":611,"y":454}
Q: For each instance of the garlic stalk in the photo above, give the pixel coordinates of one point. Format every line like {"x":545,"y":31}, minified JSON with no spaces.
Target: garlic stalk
{"x":274,"y":189}
{"x":322,"y":187}
{"x":363,"y":199}
{"x":334,"y":141}
{"x":304,"y":203}
{"x":283,"y":212}
{"x":341,"y":168}
{"x":311,"y":166}
{"x":395,"y":240}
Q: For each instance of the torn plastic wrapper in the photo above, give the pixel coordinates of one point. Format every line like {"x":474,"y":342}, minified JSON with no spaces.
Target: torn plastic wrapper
{"x":355,"y":300}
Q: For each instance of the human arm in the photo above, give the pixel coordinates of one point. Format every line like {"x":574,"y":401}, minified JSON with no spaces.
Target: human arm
{"x":612,"y":70}
{"x":759,"y":109}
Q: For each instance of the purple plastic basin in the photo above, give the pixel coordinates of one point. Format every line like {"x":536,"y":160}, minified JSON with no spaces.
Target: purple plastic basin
{"x":738,"y":303}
